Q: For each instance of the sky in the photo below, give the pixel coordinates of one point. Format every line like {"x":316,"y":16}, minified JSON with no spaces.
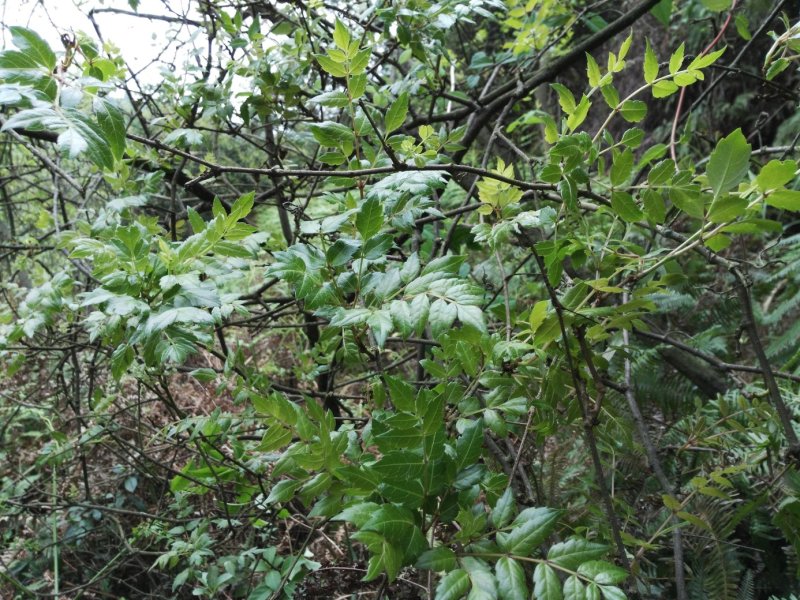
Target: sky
{"x":139,"y":40}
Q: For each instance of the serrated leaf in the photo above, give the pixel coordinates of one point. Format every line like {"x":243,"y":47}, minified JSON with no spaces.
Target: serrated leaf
{"x":602,"y":572}
{"x":622,"y":204}
{"x":546,"y":584}
{"x":650,"y":63}
{"x":504,"y":509}
{"x":676,"y":60}
{"x":453,"y":586}
{"x":593,"y":71}
{"x":776,"y":174}
{"x":728,"y":163}
{"x":664,"y":88}
{"x":112,"y":124}
{"x":574,"y":589}
{"x":573,"y":552}
{"x":437,"y":559}
{"x":633,"y":111}
{"x":785,"y":199}
{"x":511,"y":583}
{"x":396,"y":115}
{"x":331,"y":66}
{"x":33,"y":46}
{"x":370,"y":218}
{"x":341,"y":37}
{"x":529,"y":530}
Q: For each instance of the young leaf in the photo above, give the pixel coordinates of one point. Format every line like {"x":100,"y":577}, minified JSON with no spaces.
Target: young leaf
{"x":650,"y":63}
{"x":676,"y":60}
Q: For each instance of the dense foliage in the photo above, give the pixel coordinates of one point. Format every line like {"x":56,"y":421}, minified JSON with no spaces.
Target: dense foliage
{"x":486,"y":299}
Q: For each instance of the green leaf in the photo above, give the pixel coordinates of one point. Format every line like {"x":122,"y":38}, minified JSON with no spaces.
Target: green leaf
{"x":676,"y":60}
{"x":341,"y":37}
{"x":510,"y":577}
{"x":705,"y":60}
{"x":396,"y":115}
{"x":622,"y":204}
{"x":729,"y":163}
{"x":602,"y":572}
{"x":716,"y":5}
{"x":529,"y":530}
{"x":112,"y":125}
{"x":453,"y":586}
{"x":547,"y":585}
{"x":727,"y":208}
{"x":775,"y":174}
{"x":785,"y":199}
{"x":593,"y":71}
{"x":34,"y":47}
{"x":579,"y":116}
{"x":565,"y":98}
{"x":653,"y":205}
{"x":650,"y":63}
{"x":504,"y":509}
{"x":633,"y":111}
{"x":621,"y":167}
{"x":332,"y":134}
{"x":574,"y":589}
{"x":469,"y":445}
{"x":664,"y":88}
{"x":370,"y":218}
{"x":437,"y":559}
{"x":331,"y":66}
{"x":360,"y":61}
{"x":573,"y":552}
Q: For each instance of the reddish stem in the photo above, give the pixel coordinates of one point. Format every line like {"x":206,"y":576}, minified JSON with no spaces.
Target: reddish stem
{"x":679,"y":108}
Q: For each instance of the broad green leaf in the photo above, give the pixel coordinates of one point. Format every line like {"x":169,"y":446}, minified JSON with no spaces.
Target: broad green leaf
{"x":504,"y":509}
{"x":370,"y":218}
{"x":34,"y":47}
{"x":437,"y":559}
{"x":633,"y":111}
{"x":602,"y":572}
{"x":785,"y":199}
{"x":112,"y":125}
{"x":573,"y":552}
{"x":341,"y":37}
{"x":547,"y":585}
{"x":775,"y":174}
{"x":574,"y":589}
{"x":531,"y":527}
{"x":726,"y":208}
{"x":331,"y":66}
{"x":453,"y":586}
{"x":331,"y":134}
{"x":469,"y":445}
{"x":396,"y":115}
{"x":621,"y":167}
{"x":664,"y":88}
{"x":729,"y":162}
{"x":511,"y":583}
{"x":622,"y":204}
